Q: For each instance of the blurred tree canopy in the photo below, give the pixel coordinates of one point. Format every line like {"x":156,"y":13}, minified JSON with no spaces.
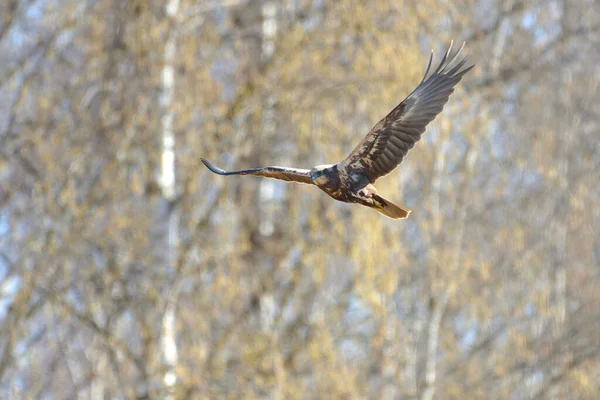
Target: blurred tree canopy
{"x":489,"y":290}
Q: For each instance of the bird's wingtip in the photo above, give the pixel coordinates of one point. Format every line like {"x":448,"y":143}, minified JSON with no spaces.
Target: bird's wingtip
{"x":206,"y":162}
{"x":212,"y":167}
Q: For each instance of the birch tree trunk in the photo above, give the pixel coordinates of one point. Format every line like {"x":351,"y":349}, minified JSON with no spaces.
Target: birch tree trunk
{"x":267,"y":302}
{"x":168,"y":186}
{"x":439,"y":307}
{"x":268,"y":187}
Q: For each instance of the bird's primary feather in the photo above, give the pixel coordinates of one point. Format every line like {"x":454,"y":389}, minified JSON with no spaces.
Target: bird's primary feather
{"x":281,"y":173}
{"x":380,"y":152}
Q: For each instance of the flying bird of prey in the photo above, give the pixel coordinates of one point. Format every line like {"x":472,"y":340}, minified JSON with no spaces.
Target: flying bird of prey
{"x":380,"y":152}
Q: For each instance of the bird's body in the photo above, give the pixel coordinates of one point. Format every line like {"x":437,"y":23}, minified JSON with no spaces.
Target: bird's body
{"x":352,"y":186}
{"x":380,"y":152}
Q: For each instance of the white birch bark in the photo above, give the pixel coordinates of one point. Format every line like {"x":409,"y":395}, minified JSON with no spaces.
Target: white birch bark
{"x":268,"y":192}
{"x":439,"y":308}
{"x":168,"y":185}
{"x":268,"y":188}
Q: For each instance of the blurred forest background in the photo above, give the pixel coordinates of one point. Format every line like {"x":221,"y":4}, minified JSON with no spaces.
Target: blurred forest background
{"x":128,"y":270}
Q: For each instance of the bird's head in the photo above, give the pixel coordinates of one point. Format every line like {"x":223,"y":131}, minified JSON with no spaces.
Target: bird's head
{"x":318,"y":173}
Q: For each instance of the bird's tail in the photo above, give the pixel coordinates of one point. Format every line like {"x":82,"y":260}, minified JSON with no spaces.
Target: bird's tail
{"x":389,"y":209}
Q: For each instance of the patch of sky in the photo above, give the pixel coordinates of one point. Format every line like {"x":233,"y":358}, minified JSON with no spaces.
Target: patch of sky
{"x":351,"y":350}
{"x":74,"y":299}
{"x":529,"y":309}
{"x":552,"y":28}
{"x":15,"y":386}
{"x":313,"y":20}
{"x":468,"y":338}
{"x":529,"y":19}
{"x":208,"y":277}
{"x":465,"y":327}
{"x":522,"y":179}
{"x":220,"y":17}
{"x":36,"y":10}
{"x":417,"y":248}
{"x":358,"y":314}
{"x":4,"y":225}
{"x":433,"y":134}
{"x":23,"y":34}
{"x":498,"y":136}
{"x":271,"y":190}
{"x":536,"y":378}
{"x":10,"y":286}
{"x":3,"y":269}
{"x":5,"y":303}
{"x":404,"y":300}
{"x":455,"y":148}
{"x":23,"y":346}
{"x":223,"y":70}
{"x":12,"y":46}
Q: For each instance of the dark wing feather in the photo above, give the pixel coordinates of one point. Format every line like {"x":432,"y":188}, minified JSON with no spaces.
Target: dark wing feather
{"x":281,"y":173}
{"x":380,"y":152}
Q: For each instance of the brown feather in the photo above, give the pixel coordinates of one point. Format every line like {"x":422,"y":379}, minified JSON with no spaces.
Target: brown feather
{"x":281,"y":173}
{"x":380,"y":152}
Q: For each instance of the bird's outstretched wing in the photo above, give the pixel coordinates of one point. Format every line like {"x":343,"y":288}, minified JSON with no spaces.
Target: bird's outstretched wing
{"x":281,"y":173}
{"x":380,"y":152}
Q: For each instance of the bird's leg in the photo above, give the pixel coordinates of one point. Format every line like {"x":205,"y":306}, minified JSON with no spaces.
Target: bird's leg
{"x":369,"y":197}
{"x":366,"y":193}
